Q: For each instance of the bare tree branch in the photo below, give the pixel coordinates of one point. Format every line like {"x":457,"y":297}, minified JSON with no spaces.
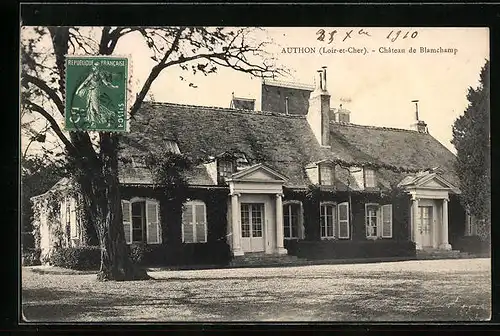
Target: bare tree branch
{"x":42,"y":85}
{"x":53,"y":124}
{"x":154,"y":74}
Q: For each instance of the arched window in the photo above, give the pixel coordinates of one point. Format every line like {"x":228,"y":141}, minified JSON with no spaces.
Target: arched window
{"x":141,"y":222}
{"x":194,"y":222}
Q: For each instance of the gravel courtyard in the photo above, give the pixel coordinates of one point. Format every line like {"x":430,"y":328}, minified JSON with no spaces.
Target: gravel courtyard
{"x":431,"y":290}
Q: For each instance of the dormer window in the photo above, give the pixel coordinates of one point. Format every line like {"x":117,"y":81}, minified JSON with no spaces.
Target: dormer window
{"x":138,"y":162}
{"x":369,"y":177}
{"x":326,"y":174}
{"x":241,"y":161}
{"x":225,"y":168}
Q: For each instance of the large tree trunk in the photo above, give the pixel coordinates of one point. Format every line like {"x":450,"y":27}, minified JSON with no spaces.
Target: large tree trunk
{"x":101,"y":194}
{"x":115,"y":260}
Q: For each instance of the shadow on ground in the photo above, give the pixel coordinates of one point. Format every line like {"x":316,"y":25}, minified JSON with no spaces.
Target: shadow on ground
{"x":263,"y":296}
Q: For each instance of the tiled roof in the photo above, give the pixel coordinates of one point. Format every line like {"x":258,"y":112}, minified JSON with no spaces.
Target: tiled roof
{"x":407,"y":149}
{"x":282,"y":142}
{"x":243,"y":103}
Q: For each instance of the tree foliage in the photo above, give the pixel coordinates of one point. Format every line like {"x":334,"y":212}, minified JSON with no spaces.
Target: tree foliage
{"x":93,"y":156}
{"x":471,"y":138}
{"x":37,"y":177}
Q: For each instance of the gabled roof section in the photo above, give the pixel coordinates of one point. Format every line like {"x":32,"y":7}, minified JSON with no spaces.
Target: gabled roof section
{"x":406,"y":150}
{"x":428,"y":180}
{"x":243,"y":103}
{"x":258,"y":172}
{"x":316,"y":163}
{"x":283,"y":143}
{"x":63,"y":184}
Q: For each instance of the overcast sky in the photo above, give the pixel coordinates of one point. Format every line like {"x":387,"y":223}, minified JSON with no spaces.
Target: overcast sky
{"x":377,"y":87}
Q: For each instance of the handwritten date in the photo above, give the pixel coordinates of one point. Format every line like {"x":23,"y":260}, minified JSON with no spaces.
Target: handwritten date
{"x":330,"y":36}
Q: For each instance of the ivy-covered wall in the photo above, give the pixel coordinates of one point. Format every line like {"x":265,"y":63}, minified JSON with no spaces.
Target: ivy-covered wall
{"x":312,"y":198}
{"x":456,"y":220}
{"x":173,"y":250}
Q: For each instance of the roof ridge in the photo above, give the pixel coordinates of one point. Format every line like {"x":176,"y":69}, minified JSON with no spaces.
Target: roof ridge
{"x":244,"y":98}
{"x":231,"y":110}
{"x":288,"y":84}
{"x":376,"y":127}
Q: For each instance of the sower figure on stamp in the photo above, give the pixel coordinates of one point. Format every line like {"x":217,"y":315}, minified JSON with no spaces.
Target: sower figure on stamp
{"x":90,"y":91}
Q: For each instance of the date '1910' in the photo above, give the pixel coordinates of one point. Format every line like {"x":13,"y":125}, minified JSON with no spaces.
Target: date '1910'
{"x":392,"y":36}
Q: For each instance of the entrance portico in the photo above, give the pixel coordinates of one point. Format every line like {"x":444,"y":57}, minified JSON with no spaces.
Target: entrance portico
{"x":256,"y":211}
{"x":429,"y":210}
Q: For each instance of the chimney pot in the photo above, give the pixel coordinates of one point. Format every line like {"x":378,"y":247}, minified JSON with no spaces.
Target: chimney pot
{"x":324,"y":78}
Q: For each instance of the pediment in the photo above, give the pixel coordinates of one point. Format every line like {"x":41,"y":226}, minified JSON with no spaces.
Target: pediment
{"x":259,"y":173}
{"x":428,"y":181}
{"x":434,"y":183}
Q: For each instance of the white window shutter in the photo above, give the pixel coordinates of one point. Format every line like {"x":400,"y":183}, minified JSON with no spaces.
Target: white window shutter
{"x":62,"y":213}
{"x":72,"y":221}
{"x":387,"y":221}
{"x":127,"y":221}
{"x":152,"y":222}
{"x":200,"y":223}
{"x":343,"y":220}
{"x":187,"y":223}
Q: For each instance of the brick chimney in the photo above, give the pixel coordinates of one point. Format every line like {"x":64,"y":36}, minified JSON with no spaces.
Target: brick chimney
{"x":419,"y":125}
{"x":318,"y":114}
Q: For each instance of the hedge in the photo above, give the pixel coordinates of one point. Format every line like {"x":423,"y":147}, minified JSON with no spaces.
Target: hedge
{"x":346,"y":249}
{"x":89,"y":257}
{"x":212,"y":253}
{"x":78,"y":258}
{"x":31,"y":257}
{"x":472,"y":244}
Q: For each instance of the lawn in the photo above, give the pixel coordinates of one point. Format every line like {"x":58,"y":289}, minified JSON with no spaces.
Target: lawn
{"x":430,"y":290}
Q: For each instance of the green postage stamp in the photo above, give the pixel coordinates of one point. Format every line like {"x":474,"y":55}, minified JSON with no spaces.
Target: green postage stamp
{"x":96,"y":93}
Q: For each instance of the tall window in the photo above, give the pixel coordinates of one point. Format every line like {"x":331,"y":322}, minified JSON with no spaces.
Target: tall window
{"x":252,"y":215}
{"x":327,"y":220}
{"x":194,"y":222}
{"x":326,"y":174}
{"x":369,"y":178}
{"x":470,"y":225}
{"x":71,"y":217}
{"x":372,"y":213}
{"x":291,"y":220}
{"x":141,"y":222}
{"x":138,"y":221}
{"x":378,"y":220}
{"x":225,"y":168}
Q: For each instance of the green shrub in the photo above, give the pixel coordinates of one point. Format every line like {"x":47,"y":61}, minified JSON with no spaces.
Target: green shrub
{"x":78,"y":258}
{"x":31,"y":257}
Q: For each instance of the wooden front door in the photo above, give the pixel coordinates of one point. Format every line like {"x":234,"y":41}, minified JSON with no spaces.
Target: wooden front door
{"x":252,"y":227}
{"x":425,"y":225}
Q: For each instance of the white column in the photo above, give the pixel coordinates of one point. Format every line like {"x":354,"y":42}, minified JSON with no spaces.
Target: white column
{"x":235,"y":221}
{"x":279,"y":225}
{"x":444,"y":227}
{"x":415,"y":224}
{"x":435,"y":225}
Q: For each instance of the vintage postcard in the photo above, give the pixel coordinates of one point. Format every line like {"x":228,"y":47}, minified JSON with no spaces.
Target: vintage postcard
{"x":236,"y":174}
